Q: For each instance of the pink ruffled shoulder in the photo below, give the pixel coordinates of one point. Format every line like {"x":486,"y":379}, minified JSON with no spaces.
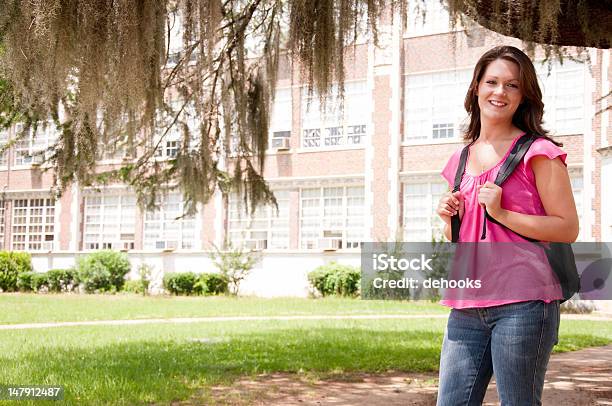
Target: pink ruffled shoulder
{"x":544,"y":147}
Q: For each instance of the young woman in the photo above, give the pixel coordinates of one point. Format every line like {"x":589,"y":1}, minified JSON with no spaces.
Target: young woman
{"x":510,"y":338}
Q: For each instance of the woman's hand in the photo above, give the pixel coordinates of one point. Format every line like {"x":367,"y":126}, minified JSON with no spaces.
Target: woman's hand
{"x":450,"y":204}
{"x":489,"y":197}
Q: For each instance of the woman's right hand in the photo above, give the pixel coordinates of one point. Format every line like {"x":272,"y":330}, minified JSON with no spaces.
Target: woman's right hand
{"x":450,"y":204}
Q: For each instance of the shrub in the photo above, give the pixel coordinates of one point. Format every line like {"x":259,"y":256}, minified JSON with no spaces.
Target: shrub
{"x":24,"y":281}
{"x":133,"y":286}
{"x":61,"y":280}
{"x":180,"y":283}
{"x":234,"y":263}
{"x":11,"y":265}
{"x":39,"y":281}
{"x":145,"y":271}
{"x":103,"y":271}
{"x":335,"y":279}
{"x":211,"y":284}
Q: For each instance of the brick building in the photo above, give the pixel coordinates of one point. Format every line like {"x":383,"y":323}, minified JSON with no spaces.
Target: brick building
{"x":367,"y":172}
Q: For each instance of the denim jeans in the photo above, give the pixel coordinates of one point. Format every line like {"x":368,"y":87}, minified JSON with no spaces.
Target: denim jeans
{"x":512,"y":341}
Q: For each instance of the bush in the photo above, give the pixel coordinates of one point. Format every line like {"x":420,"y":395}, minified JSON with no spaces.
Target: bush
{"x":133,"y":286}
{"x":39,"y":281}
{"x":61,"y":280}
{"x":211,"y":284}
{"x":180,"y":283}
{"x":13,"y":264}
{"x":24,"y":281}
{"x":103,"y":271}
{"x":335,"y":279}
{"x":234,"y":263}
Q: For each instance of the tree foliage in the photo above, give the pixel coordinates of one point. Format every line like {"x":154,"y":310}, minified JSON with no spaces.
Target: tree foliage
{"x":103,"y":72}
{"x":108,"y":76}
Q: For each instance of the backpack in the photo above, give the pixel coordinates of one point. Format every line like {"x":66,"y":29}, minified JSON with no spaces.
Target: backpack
{"x":560,"y":255}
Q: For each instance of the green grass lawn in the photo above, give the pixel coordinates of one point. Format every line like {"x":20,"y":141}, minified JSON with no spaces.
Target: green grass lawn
{"x":32,"y":308}
{"x":158,"y":363}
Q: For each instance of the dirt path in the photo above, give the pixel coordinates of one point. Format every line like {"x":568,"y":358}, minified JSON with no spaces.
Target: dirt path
{"x":578,"y":378}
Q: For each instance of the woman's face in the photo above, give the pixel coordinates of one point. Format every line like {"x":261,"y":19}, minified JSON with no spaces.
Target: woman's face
{"x":499,"y":91}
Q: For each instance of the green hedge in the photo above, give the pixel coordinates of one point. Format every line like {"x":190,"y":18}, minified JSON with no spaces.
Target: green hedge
{"x":103,"y":271}
{"x":24,"y":281}
{"x":180,"y":283}
{"x":335,"y":279}
{"x":189,"y":283}
{"x":12,"y":264}
{"x":133,"y":286}
{"x":61,"y":280}
{"x":211,"y":284}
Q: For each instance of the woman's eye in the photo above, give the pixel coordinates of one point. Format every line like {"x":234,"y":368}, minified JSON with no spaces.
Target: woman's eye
{"x":491,"y":82}
{"x":513,"y":85}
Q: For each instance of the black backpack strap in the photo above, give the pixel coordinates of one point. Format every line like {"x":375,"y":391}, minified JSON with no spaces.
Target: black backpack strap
{"x":515,"y":157}
{"x":455,"y":221}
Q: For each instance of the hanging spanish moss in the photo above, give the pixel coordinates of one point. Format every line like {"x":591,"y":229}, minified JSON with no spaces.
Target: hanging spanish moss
{"x":108,"y":75}
{"x":114,"y":75}
{"x":551,"y":24}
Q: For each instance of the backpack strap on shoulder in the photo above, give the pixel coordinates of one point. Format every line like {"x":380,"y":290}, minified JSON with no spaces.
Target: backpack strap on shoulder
{"x":455,"y":221}
{"x":515,"y":157}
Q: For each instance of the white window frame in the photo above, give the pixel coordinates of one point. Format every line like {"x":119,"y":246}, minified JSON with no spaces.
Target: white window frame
{"x":577,"y":182}
{"x":164,"y":219}
{"x":46,"y":215}
{"x":262,"y":230}
{"x":436,"y":20}
{"x":337,"y":126}
{"x":327,"y":226}
{"x":561,"y":95}
{"x":28,"y":149}
{"x":281,"y":117}
{"x":434,"y":226}
{"x":100,"y":233}
{"x":169,"y":147}
{"x":433,"y":105}
{"x":2,"y":223}
{"x":4,"y":157}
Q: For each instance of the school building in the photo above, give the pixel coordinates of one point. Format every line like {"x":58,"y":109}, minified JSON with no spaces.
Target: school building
{"x":367,"y":172}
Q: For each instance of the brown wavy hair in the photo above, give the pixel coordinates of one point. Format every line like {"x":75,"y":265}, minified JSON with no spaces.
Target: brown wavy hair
{"x":528,"y":116}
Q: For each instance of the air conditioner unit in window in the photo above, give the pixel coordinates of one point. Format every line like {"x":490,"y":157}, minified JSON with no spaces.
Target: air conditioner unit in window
{"x":330,"y":244}
{"x":261,"y":244}
{"x":281,"y":144}
{"x":166,"y":245}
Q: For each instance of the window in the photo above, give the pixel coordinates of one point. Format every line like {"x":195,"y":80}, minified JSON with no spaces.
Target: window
{"x":336,"y":125}
{"x":109,"y":221}
{"x":3,"y":141}
{"x":577,"y":188}
{"x":169,"y":146}
{"x":262,"y":230}
{"x":563,"y":92}
{"x":280,"y":120}
{"x":1,"y":224}
{"x":334,"y":213}
{"x":33,"y":224}
{"x":434,"y":105}
{"x":163,"y":229}
{"x":435,"y":21}
{"x":33,"y":147}
{"x":421,"y":222}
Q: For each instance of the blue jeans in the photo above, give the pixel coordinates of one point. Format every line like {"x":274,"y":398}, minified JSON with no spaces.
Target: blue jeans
{"x":512,"y":341}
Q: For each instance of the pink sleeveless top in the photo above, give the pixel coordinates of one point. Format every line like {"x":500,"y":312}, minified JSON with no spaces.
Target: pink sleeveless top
{"x":519,"y":194}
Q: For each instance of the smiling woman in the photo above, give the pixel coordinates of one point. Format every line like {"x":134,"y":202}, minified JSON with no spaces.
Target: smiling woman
{"x":513,"y":337}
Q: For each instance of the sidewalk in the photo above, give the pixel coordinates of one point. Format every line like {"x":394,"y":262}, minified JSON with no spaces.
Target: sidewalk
{"x":183,"y":320}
